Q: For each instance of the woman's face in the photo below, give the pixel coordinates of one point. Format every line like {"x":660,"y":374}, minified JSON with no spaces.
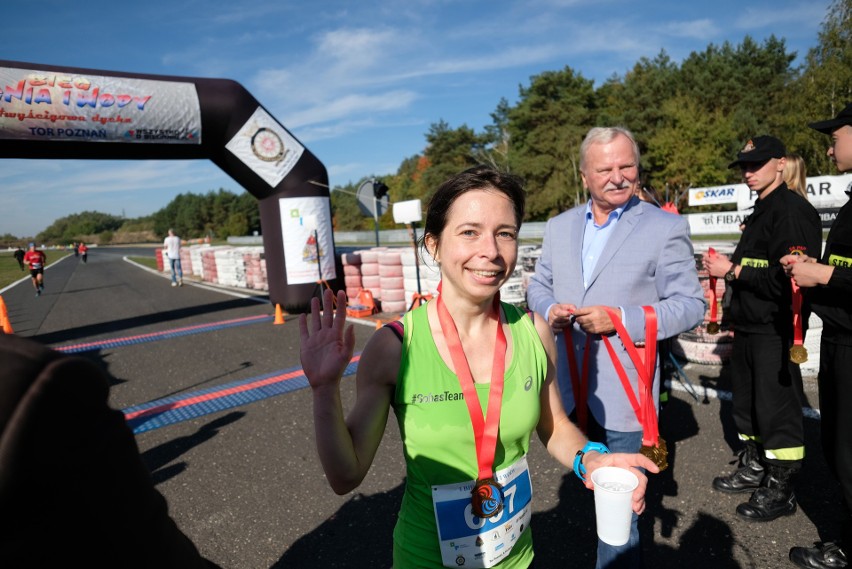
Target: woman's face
{"x":478,"y":247}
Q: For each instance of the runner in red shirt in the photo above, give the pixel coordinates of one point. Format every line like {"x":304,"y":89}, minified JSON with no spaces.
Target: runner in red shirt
{"x":36,"y":260}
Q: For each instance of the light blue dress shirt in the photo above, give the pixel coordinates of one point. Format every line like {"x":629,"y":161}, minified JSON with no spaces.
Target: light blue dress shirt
{"x":594,"y":239}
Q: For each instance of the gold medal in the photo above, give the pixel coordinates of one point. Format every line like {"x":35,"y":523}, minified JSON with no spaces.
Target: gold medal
{"x":798,"y":354}
{"x":712,"y":327}
{"x":657,"y":453}
{"x":486,"y":498}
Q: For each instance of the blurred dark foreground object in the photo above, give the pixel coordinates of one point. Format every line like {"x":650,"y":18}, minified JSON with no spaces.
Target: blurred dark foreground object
{"x":73,"y":488}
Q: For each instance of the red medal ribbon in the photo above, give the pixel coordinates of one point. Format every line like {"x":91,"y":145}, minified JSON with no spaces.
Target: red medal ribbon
{"x":485,"y":429}
{"x":579,"y":385}
{"x":713,"y":301}
{"x":644,"y":407}
{"x":798,"y":337}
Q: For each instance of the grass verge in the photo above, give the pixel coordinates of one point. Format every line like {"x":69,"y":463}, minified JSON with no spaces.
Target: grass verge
{"x":11,"y":272}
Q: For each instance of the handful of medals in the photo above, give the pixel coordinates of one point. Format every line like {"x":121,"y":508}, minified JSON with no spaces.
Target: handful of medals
{"x":657,"y":454}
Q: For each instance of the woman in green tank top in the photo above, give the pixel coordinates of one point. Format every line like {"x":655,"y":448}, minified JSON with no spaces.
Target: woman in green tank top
{"x":469,"y":380}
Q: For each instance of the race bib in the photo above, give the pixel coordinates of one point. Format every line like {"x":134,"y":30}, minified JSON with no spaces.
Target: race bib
{"x":469,"y":541}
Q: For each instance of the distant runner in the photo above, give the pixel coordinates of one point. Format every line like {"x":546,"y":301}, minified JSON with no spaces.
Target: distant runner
{"x":36,"y":260}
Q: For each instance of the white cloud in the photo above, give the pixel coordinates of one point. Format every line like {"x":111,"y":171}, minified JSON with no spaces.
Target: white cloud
{"x":703,"y":29}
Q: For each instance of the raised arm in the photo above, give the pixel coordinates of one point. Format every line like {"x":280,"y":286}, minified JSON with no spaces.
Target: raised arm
{"x":346,"y":446}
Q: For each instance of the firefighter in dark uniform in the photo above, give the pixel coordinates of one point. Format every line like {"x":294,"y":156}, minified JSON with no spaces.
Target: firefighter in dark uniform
{"x":828,"y":285}
{"x":766,"y":384}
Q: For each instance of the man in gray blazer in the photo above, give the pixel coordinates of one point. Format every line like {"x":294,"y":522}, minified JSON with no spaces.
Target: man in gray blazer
{"x":614,"y":256}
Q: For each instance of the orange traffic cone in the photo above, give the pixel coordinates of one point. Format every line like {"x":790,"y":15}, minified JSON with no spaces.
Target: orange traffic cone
{"x":279,"y":315}
{"x":5,"y":324}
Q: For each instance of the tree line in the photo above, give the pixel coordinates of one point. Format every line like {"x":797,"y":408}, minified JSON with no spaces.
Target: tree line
{"x":217,"y":215}
{"x":690,"y":120}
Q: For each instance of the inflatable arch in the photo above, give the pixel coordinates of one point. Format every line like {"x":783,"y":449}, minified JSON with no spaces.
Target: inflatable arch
{"x":49,"y":112}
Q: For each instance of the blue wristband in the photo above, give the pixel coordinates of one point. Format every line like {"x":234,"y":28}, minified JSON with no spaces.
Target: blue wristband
{"x":579,"y":469}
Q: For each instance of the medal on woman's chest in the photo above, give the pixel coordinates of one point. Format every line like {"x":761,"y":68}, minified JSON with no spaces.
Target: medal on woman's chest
{"x":486,"y":498}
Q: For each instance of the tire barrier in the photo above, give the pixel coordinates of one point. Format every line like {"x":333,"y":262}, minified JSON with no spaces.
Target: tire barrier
{"x":352,"y":274}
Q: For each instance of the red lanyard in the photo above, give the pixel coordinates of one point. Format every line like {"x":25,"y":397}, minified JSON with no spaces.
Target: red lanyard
{"x":712,"y":285}
{"x":580,"y":385}
{"x":644,"y":407}
{"x":798,"y":337}
{"x":485,"y":429}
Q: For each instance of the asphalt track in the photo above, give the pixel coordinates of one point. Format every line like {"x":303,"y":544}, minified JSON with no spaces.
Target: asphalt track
{"x":223,"y":419}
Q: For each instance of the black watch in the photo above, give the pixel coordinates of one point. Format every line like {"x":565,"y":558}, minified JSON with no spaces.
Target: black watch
{"x":731,"y":275}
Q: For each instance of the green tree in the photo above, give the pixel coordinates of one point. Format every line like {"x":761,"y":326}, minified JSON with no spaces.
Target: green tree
{"x":824,"y":88}
{"x":449,"y":151}
{"x":546,"y":128}
{"x":689,"y":147}
{"x":636,"y":101}
{"x":745,"y":83}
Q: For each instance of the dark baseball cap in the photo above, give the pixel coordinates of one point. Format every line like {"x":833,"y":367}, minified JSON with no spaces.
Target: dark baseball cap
{"x":760,"y":149}
{"x":830,"y":125}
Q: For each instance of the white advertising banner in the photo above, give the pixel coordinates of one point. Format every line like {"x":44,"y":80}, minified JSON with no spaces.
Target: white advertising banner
{"x":266,"y":147}
{"x":308,"y":242}
{"x":718,"y":223}
{"x":45,"y":105}
{"x":715,"y":195}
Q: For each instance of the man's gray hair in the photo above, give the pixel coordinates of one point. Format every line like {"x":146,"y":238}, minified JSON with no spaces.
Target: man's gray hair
{"x":605,"y":135}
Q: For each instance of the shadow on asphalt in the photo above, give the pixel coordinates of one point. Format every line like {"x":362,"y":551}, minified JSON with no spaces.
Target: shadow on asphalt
{"x":361,"y":531}
{"x":114,"y":326}
{"x":157,"y":458}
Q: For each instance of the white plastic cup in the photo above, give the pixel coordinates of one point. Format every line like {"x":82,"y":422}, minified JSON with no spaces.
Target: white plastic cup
{"x":613,"y":503}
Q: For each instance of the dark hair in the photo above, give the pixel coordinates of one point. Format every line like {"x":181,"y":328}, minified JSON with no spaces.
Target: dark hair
{"x":476,"y":178}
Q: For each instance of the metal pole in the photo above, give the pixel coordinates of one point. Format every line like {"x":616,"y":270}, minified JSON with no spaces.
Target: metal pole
{"x":416,"y":259}
{"x":319,"y":259}
{"x":375,"y":210}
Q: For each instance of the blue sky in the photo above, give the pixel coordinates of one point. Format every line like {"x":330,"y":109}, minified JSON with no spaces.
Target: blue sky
{"x":358,"y":83}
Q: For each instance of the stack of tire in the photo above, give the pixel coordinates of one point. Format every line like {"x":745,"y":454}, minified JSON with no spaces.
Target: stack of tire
{"x":230,"y":267}
{"x":255,"y":268}
{"x":186,"y":261}
{"x":352,"y":273}
{"x":196,"y":259}
{"x":513,"y":290}
{"x":209,"y":271}
{"x":423,"y":265}
{"x":527,"y":258}
{"x":391,"y":281}
{"x":698,"y":345}
{"x":370,"y":279}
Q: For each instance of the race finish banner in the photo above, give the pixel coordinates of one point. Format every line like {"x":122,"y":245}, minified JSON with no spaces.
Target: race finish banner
{"x":68,"y":113}
{"x":94,"y":108}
